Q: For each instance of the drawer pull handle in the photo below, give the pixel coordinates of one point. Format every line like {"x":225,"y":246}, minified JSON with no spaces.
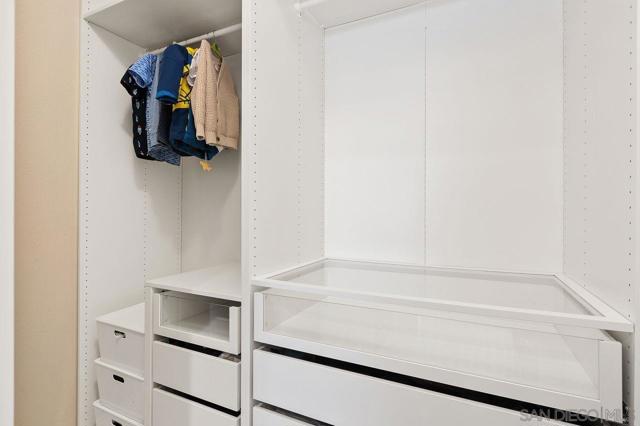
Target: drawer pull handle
{"x":120,"y":334}
{"x":118,"y":378}
{"x":114,"y":423}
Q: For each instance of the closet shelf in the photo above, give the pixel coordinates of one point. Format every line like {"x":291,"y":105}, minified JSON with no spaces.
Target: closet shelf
{"x":153,"y":24}
{"x":329,"y":13}
{"x":220,"y":282}
{"x":541,"y":298}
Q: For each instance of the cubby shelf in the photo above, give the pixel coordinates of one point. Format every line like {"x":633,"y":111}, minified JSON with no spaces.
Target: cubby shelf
{"x":220,"y":282}
{"x":155,"y":23}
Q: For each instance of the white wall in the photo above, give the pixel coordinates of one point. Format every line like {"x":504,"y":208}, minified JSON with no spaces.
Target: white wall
{"x":444,"y":144}
{"x":7,"y":36}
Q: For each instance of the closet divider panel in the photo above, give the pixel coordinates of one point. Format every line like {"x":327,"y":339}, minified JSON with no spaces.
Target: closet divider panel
{"x":129,"y":208}
{"x":494,"y":134}
{"x":282,"y":158}
{"x":601,"y":158}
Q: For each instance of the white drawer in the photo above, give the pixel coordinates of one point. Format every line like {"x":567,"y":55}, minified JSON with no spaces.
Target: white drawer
{"x":108,"y":417}
{"x":265,"y":417}
{"x":121,"y":338}
{"x":337,"y":397}
{"x":203,"y":376}
{"x":203,"y":321}
{"x":120,"y":390}
{"x":173,"y":410}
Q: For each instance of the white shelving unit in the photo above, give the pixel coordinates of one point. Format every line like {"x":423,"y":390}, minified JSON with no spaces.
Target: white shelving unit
{"x":152,"y":24}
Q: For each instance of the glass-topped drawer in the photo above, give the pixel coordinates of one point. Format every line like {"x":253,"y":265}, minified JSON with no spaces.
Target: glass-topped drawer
{"x":564,"y":367}
{"x":204,"y":321}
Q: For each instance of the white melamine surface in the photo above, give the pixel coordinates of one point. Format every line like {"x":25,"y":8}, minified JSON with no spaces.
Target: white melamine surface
{"x":310,"y":389}
{"x":173,"y":410}
{"x":203,"y":376}
{"x":121,"y":338}
{"x":329,"y":13}
{"x":130,"y":318}
{"x":221,"y":282}
{"x":444,"y":135}
{"x":120,"y":390}
{"x":155,"y":23}
{"x":266,"y":417}
{"x":108,"y":417}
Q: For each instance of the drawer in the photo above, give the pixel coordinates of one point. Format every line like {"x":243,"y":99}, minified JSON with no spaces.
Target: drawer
{"x":120,"y":390}
{"x":553,"y":366}
{"x":266,"y":417}
{"x":173,"y":410}
{"x":203,"y":376}
{"x":121,"y":338}
{"x":203,"y":321}
{"x":107,"y":417}
{"x":337,"y":396}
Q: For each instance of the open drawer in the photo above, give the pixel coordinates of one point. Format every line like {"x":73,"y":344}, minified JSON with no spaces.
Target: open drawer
{"x":204,"y":321}
{"x":569,"y":368}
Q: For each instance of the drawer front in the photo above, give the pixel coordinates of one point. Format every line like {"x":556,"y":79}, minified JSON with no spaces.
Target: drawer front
{"x":204,"y":376}
{"x":310,"y":389}
{"x":172,"y":410}
{"x":186,"y":318}
{"x":107,"y":417}
{"x":266,"y":417}
{"x":120,"y":391}
{"x":121,"y":347}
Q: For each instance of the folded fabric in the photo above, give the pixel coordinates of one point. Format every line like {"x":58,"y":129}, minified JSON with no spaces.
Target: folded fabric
{"x":143,"y":69}
{"x":183,"y":136}
{"x":173,"y":61}
{"x":157,"y":150}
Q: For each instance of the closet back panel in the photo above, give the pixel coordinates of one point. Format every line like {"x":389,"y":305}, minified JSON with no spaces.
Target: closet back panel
{"x":211,"y":203}
{"x":129,"y":209}
{"x":601,"y":158}
{"x":444,"y":135}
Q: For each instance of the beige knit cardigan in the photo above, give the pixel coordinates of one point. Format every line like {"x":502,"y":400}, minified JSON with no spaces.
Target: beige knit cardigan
{"x":215,"y":105}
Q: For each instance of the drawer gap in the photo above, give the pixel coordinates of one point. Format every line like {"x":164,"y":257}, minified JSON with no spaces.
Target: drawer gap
{"x":484,"y":398}
{"x":199,"y":401}
{"x":293,"y":415}
{"x":201,"y":349}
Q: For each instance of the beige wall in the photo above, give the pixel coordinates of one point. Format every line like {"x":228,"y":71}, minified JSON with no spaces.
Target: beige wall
{"x":47,"y":55}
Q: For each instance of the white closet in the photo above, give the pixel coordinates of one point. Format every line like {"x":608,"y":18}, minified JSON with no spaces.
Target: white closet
{"x":432,"y":209}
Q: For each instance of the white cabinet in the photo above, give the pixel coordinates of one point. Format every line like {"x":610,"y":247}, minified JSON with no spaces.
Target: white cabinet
{"x":108,"y":417}
{"x":266,"y":417}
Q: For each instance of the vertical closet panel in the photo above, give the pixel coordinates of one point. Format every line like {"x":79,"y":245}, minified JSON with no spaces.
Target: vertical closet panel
{"x":284,"y":161}
{"x":494,"y":134}
{"x":601,"y":156}
{"x":211,"y":203}
{"x":311,"y":148}
{"x":129,"y":209}
{"x":375,"y":138}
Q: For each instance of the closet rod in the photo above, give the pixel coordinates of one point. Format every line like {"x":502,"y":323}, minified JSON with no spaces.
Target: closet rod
{"x":218,"y":33}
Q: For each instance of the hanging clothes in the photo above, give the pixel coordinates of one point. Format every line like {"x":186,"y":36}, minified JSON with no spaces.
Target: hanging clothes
{"x":133,"y":77}
{"x":174,"y":89}
{"x":215,"y":103}
{"x":158,"y":150}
